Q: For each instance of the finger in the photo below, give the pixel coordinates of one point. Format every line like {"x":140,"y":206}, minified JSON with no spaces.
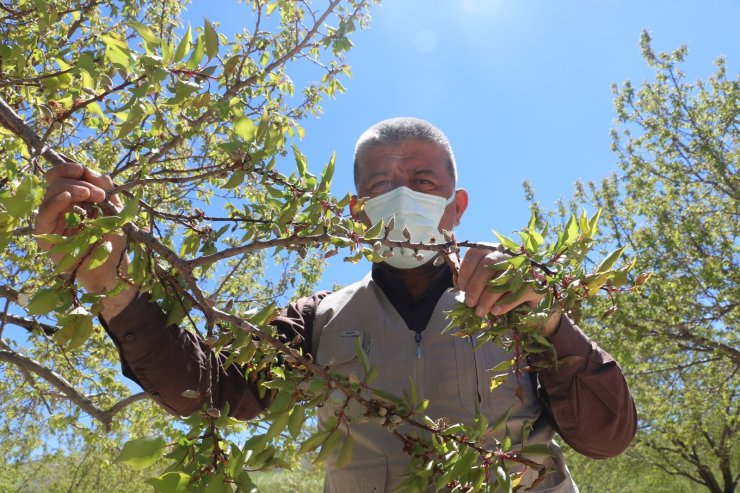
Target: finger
{"x":528,"y":295}
{"x":47,"y":220}
{"x":73,"y":171}
{"x":101,"y":181}
{"x":468,"y":265}
{"x":81,"y":191}
{"x":486,"y":302}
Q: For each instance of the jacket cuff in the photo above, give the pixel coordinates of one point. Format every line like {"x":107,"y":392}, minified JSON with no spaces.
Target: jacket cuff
{"x":137,"y":328}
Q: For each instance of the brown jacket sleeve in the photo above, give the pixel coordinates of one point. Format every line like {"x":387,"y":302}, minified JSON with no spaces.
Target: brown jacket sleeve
{"x":167,"y":360}
{"x":587,"y":396}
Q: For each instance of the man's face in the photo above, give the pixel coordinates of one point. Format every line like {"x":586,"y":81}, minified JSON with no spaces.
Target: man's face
{"x":418,"y":165}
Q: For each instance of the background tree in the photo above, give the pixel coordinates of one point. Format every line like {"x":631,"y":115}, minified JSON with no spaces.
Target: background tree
{"x":675,"y":208}
{"x":184,"y":117}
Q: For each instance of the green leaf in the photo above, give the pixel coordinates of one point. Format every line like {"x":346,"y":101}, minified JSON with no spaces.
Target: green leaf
{"x":506,"y":241}
{"x":328,"y":174}
{"x":145,"y":33}
{"x":297,"y":418}
{"x":211,"y":39}
{"x":374,"y":231}
{"x":100,"y":255}
{"x":331,"y":443}
{"x":345,"y":454}
{"x":313,"y":442}
{"x":236,"y":179}
{"x":130,"y":209}
{"x":278,"y":424}
{"x":44,"y":301}
{"x":536,"y":449}
{"x":300,"y":161}
{"x":183,"y":47}
{"x":361,"y":355}
{"x":244,"y":128}
{"x":77,"y":328}
{"x":171,"y":482}
{"x":609,"y":261}
{"x":142,"y":452}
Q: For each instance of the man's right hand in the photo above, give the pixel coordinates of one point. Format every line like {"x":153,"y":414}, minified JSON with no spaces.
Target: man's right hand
{"x":74,"y":184}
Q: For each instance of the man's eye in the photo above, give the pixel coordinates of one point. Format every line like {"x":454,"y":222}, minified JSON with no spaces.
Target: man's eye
{"x":379,"y":186}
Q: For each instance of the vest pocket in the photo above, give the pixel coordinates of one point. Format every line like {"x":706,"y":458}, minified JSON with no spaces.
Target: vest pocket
{"x":361,"y":476}
{"x":337,"y":347}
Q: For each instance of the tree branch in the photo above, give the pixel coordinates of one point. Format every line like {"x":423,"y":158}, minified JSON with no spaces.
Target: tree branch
{"x":105,"y":416}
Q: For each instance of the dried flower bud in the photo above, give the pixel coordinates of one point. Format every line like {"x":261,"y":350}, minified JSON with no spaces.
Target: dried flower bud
{"x":395,"y":419}
{"x":382,"y":411}
{"x":353,"y":379}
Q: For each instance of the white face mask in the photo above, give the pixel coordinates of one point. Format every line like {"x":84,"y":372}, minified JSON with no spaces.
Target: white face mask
{"x":419,"y":213}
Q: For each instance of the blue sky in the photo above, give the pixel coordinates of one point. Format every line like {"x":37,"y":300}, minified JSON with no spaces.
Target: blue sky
{"x":522,"y":88}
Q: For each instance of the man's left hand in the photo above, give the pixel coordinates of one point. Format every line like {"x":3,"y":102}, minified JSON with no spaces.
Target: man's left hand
{"x":473,"y":277}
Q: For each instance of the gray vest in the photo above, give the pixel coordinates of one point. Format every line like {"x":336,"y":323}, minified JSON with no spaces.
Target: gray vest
{"x":445,"y":370}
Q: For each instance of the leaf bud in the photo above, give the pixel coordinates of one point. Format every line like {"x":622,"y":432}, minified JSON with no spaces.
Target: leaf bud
{"x":377,"y":246}
{"x":391,"y":224}
{"x":387,"y":254}
{"x":191,"y":394}
{"x":213,"y":412}
{"x":353,"y":379}
{"x":406,"y":233}
{"x":382,"y":411}
{"x":395,"y":419}
{"x":330,"y":253}
{"x":419,"y":257}
{"x":448,"y":236}
{"x":210,"y":341}
{"x":438,"y":260}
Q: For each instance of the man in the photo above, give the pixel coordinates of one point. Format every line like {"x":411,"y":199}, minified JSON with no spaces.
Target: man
{"x":406,"y":169}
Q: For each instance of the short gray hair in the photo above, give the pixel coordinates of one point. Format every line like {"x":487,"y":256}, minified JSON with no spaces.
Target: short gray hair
{"x":396,"y":130}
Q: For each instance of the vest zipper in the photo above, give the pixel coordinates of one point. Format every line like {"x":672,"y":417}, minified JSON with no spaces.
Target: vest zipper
{"x":475,"y":365}
{"x":419,"y":383}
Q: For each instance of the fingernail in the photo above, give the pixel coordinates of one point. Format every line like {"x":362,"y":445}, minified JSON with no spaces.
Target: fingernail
{"x":496,"y":310}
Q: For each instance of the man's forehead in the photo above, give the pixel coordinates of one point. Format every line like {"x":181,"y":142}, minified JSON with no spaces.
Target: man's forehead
{"x":409,"y":155}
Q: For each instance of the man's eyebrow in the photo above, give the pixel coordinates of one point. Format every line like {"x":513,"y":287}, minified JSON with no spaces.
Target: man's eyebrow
{"x":376,"y":173}
{"x":423,"y":171}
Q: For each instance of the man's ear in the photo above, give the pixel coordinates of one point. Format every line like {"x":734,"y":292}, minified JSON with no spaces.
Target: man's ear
{"x":461,"y":203}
